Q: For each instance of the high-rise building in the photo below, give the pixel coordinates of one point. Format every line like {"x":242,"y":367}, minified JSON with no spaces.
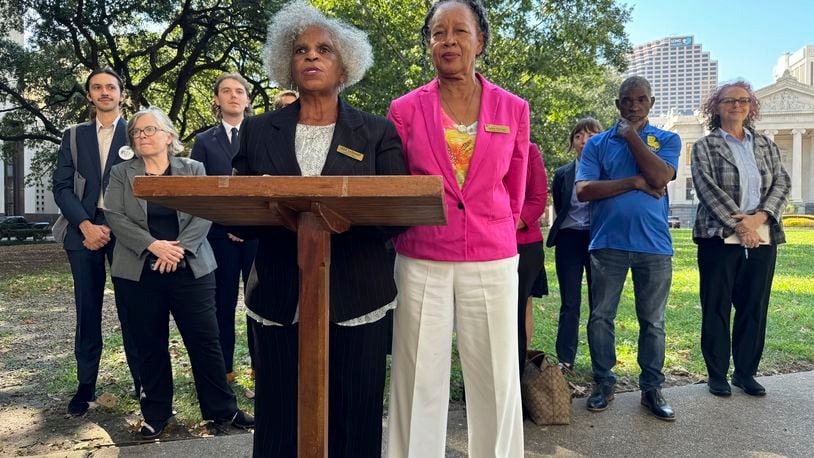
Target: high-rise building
{"x":681,"y":73}
{"x":800,"y":65}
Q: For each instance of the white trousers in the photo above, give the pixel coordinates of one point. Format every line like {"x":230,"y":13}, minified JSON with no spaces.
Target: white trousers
{"x":480,"y":300}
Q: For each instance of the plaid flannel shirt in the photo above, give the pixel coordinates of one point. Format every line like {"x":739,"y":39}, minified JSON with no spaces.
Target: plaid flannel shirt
{"x":717,"y":184}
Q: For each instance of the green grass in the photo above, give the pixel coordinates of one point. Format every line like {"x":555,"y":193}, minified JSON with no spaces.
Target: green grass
{"x":790,"y":330}
{"x":789,"y":341}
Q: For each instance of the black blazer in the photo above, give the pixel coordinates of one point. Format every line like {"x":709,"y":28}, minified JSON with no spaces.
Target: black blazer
{"x":90,"y":168}
{"x":212,"y":147}
{"x":361,"y":265}
{"x":561,"y":190}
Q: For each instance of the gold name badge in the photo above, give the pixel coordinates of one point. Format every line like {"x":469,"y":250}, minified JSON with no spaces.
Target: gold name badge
{"x":496,"y":128}
{"x":350,"y":153}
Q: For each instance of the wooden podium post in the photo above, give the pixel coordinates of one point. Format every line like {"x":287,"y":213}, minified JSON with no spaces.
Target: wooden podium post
{"x":314,"y":207}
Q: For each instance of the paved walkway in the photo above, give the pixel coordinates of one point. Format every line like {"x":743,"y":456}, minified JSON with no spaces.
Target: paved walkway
{"x":779,"y":424}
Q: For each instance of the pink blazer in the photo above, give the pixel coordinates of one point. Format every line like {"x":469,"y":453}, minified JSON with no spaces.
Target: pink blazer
{"x":482,"y":217}
{"x":536,"y":195}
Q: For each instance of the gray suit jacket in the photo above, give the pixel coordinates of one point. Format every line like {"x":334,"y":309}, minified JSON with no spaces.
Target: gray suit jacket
{"x":127,"y":217}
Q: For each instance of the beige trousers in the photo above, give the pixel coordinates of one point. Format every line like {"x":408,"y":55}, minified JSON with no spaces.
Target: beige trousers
{"x":478,"y":300}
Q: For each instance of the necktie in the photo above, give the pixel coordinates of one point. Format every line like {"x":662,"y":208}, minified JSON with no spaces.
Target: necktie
{"x":235,"y":140}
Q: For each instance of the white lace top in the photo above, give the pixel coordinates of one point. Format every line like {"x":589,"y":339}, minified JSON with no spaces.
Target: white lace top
{"x":311,"y":145}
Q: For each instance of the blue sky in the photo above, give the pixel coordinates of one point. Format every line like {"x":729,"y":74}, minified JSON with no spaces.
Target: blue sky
{"x":746,"y":37}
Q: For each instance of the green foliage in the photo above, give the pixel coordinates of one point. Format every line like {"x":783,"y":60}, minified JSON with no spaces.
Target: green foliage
{"x":560,"y":55}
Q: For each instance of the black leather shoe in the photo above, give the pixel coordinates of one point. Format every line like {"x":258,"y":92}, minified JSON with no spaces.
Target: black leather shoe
{"x":654,"y":401}
{"x":242,"y":420}
{"x":749,"y":385}
{"x":149,"y":431}
{"x":600,"y":397}
{"x":719,"y":387}
{"x":80,"y":402}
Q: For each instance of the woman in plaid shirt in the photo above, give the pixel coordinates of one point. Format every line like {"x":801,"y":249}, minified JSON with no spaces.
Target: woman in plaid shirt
{"x":742,"y":189}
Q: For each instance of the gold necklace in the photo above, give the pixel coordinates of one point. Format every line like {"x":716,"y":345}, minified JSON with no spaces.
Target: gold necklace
{"x":461,"y":127}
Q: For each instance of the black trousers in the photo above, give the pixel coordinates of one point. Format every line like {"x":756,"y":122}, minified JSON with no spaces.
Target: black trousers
{"x":191,"y":301}
{"x":530,"y":263}
{"x":234,"y":259}
{"x":89,"y":278}
{"x":572,"y":258}
{"x":357,"y":369}
{"x":731,"y":276}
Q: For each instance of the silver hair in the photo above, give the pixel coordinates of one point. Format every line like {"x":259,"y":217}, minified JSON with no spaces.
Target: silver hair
{"x":352,"y":45}
{"x":163,"y":122}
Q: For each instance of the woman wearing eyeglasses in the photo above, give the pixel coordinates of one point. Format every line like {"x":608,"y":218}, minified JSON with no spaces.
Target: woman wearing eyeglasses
{"x":742,"y":189}
{"x":163,"y":264}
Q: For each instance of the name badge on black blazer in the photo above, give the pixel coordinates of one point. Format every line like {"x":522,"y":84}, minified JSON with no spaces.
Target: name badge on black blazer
{"x":350,"y":153}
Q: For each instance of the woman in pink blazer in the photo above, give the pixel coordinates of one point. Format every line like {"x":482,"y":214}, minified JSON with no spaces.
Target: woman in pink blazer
{"x":462,"y":275}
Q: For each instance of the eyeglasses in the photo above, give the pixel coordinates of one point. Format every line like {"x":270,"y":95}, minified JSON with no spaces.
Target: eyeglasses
{"x":148,"y":131}
{"x":732,"y":101}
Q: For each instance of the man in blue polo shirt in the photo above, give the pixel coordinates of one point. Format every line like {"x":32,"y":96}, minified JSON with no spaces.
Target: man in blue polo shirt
{"x":624,"y":173}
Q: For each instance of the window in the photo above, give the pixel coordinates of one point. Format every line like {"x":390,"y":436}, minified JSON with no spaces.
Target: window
{"x":689,"y":191}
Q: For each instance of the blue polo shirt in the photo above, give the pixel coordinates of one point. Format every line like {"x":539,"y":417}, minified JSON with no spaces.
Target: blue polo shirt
{"x":634,"y":220}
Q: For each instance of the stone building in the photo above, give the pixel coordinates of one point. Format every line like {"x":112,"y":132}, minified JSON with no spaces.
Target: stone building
{"x":35,"y":202}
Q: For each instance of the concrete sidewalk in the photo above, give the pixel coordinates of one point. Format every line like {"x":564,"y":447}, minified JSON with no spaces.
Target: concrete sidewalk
{"x":779,"y":424}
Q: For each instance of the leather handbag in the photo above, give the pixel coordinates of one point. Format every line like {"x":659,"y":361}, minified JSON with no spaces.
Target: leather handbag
{"x":545,"y":393}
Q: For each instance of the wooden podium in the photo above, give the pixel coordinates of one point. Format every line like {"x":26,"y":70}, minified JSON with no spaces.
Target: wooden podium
{"x":314,"y":207}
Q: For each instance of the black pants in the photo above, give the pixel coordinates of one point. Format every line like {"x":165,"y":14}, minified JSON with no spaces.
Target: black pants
{"x":730,"y":277}
{"x":89,"y":278}
{"x":234,"y":259}
{"x":572,"y":258}
{"x":191,"y":301}
{"x":530,"y":263}
{"x":356,"y":390}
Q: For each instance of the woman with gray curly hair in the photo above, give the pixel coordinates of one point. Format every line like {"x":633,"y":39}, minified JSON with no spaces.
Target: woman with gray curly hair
{"x":320,"y":134}
{"x":163,"y":264}
{"x":742,"y":191}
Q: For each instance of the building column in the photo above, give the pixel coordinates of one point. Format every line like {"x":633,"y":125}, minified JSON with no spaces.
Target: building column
{"x":770,"y":133}
{"x":810,"y":199}
{"x":797,"y":166}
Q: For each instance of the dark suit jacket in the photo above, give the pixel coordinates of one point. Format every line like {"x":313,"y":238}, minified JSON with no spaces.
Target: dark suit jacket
{"x":89,"y":167}
{"x":361,"y":266}
{"x":561,"y":190}
{"x":212,"y":147}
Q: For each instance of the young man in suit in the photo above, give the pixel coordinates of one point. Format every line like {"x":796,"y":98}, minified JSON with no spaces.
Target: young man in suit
{"x":216,"y":147}
{"x":88,"y":241}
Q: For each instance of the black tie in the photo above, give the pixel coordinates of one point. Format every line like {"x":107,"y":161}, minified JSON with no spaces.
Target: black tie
{"x":235,"y":140}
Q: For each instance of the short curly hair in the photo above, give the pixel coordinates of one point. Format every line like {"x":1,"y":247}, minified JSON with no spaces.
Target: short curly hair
{"x":710,"y":108}
{"x":352,"y":45}
{"x":478,"y":10}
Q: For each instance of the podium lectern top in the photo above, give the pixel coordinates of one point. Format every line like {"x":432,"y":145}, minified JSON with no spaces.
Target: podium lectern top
{"x":254,"y":200}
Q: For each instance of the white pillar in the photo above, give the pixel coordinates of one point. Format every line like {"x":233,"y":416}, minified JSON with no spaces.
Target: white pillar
{"x":770,"y":133}
{"x":797,"y":165}
{"x":810,"y":198}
